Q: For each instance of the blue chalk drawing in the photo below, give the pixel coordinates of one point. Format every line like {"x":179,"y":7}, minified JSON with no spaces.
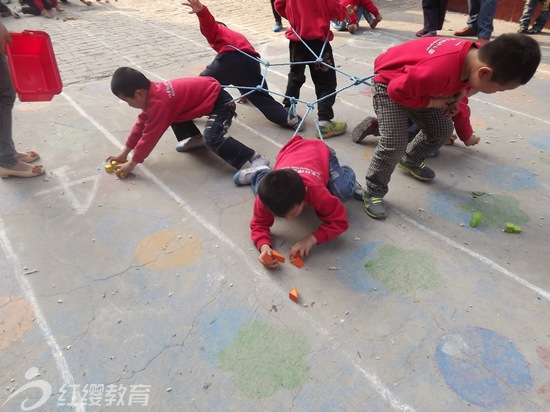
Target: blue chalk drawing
{"x":352,"y":271}
{"x":540,"y":140}
{"x":510,"y":178}
{"x":447,"y":206}
{"x":482,"y":367}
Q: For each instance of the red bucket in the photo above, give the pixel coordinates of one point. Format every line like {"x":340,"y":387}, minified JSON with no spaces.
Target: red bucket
{"x":33,"y":67}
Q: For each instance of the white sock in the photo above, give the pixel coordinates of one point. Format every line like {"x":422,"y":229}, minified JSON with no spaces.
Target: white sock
{"x":324,"y":122}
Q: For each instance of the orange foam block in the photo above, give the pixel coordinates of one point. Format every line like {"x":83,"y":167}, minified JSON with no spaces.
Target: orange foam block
{"x":297,"y":261}
{"x":276,"y":255}
{"x":293,"y":295}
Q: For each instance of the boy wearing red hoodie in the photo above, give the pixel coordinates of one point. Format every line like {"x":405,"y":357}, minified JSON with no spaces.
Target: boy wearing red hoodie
{"x":426,"y":80}
{"x":175,"y":103}
{"x":310,"y":19}
{"x":307,"y":172}
{"x":234,"y":67}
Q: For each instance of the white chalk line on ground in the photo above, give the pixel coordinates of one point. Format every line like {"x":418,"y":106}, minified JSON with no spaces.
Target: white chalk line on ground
{"x":374,"y":381}
{"x":28,"y":292}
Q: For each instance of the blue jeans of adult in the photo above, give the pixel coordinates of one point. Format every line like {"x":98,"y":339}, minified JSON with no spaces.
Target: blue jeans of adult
{"x":229,"y":149}
{"x":528,"y":11}
{"x":8,"y":154}
{"x":481,"y":14}
{"x":342,"y":180}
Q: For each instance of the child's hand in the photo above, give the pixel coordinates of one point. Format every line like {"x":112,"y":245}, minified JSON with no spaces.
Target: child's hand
{"x":265,"y":250}
{"x":120,"y":158}
{"x":472,"y":141}
{"x":303,"y":246}
{"x":195,"y":5}
{"x":123,"y":170}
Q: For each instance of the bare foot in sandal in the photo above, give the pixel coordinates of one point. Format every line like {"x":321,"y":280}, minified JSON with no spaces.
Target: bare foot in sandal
{"x":28,"y":157}
{"x":22,"y":169}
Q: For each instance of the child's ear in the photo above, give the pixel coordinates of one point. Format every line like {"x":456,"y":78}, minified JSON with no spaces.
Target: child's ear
{"x":485,"y":73}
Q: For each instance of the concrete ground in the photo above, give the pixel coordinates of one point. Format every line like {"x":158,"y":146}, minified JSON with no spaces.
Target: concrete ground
{"x":146,"y":293}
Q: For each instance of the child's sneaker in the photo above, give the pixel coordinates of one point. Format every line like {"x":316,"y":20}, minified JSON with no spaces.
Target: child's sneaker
{"x":421,"y":172}
{"x":368,"y":126}
{"x":374,"y":207}
{"x":332,"y":129}
{"x":352,"y":28}
{"x":244,"y":176}
{"x":296,"y":123}
{"x":17,"y":12}
{"x":374,"y":22}
{"x":258,"y":160}
{"x":277,"y":27}
{"x":192,"y":143}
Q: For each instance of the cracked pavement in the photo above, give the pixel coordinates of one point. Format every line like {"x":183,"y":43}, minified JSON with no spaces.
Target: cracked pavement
{"x":153,"y":280}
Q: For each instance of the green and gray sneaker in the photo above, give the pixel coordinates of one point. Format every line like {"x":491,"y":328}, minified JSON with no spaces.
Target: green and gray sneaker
{"x":421,"y":172}
{"x":374,"y":207}
{"x":332,"y":129}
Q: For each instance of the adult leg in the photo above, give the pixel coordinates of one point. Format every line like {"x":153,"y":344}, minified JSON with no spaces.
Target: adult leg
{"x":528,"y":10}
{"x":342,"y":181}
{"x":485,"y":18}
{"x":278,"y":20}
{"x":442,"y":10}
{"x":542,"y":19}
{"x":324,"y":79}
{"x":430,"y":10}
{"x":229,"y":149}
{"x":473,"y":10}
{"x":393,"y":121}
{"x":8,"y":154}
{"x":296,"y":76}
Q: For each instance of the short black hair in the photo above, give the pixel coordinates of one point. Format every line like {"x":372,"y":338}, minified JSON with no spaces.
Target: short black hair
{"x":513,"y":57}
{"x":281,"y":190}
{"x":126,"y":81}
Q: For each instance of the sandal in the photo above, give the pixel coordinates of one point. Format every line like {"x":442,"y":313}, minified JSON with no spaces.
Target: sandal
{"x":35,"y":171}
{"x":28,"y":157}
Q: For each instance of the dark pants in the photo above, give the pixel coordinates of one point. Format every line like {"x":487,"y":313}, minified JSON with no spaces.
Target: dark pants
{"x":275,"y":14}
{"x":323,"y":77}
{"x":31,"y":8}
{"x":240,"y":70}
{"x":230,"y":150}
{"x":434,"y":14}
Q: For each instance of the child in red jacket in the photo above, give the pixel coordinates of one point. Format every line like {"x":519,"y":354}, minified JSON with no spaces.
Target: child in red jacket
{"x":361,"y":8}
{"x":307,"y":172}
{"x":310,"y":20}
{"x":176,"y":103}
{"x":236,"y":68}
{"x":426,"y":80}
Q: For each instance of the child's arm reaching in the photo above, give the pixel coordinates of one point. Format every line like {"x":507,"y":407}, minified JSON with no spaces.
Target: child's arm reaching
{"x":195,"y":5}
{"x":303,"y":247}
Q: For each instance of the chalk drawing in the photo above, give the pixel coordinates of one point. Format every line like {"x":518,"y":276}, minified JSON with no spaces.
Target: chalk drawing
{"x":497,"y":210}
{"x":448,"y":207}
{"x":544,"y":391}
{"x":16,"y":318}
{"x":265,"y":358}
{"x":482,"y":367}
{"x":510,"y":178}
{"x":168,"y":249}
{"x":545,"y":158}
{"x":66,"y":187}
{"x":539,"y":140}
{"x":402,"y":271}
{"x":544,"y":356}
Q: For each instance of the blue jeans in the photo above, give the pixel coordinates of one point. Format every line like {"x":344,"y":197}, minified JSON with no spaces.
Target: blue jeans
{"x":528,"y":10}
{"x":8,"y":154}
{"x":342,"y":181}
{"x":481,"y":14}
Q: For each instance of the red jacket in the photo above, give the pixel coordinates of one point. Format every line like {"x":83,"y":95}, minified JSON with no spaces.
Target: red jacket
{"x":219,"y":36}
{"x":309,"y":157}
{"x":420,"y":69}
{"x":171,"y":101}
{"x":310,"y":18}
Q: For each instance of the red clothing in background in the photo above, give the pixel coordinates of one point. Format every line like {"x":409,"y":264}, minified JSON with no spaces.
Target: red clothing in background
{"x":168,"y":102}
{"x":310,"y":18}
{"x":309,"y":158}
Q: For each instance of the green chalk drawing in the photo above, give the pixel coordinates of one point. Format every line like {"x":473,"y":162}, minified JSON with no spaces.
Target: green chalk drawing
{"x":402,"y":271}
{"x":497,"y":210}
{"x":68,"y":137}
{"x":545,"y":159}
{"x":265,"y":358}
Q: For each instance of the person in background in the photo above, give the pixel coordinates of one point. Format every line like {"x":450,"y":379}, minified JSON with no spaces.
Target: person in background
{"x":434,"y":16}
{"x":12,"y":162}
{"x":481,"y":14}
{"x":540,"y":21}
